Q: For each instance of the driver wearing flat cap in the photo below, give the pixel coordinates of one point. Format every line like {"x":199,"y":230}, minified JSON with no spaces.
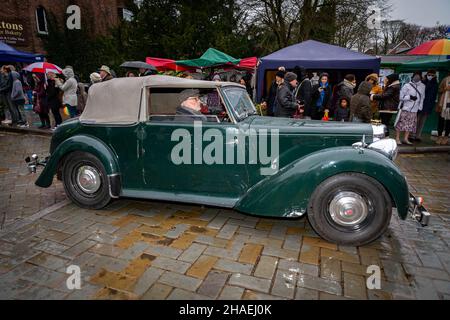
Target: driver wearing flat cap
{"x":190,"y":106}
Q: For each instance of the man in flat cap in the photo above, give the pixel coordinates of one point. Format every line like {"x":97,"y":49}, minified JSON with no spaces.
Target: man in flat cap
{"x":190,"y":106}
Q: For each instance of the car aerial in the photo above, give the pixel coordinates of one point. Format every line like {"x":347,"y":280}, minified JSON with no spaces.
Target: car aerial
{"x":130,"y":142}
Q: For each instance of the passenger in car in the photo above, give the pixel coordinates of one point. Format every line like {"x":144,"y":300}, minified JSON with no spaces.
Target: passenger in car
{"x":190,"y":106}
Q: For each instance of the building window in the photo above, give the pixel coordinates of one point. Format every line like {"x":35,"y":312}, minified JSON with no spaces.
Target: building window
{"x":41,"y":20}
{"x":125,"y":14}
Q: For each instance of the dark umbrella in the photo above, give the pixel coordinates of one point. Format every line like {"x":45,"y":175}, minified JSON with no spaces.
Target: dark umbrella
{"x":138,"y":65}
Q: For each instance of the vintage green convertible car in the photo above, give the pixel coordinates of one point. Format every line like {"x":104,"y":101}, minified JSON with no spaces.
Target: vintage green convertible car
{"x":129,"y":142}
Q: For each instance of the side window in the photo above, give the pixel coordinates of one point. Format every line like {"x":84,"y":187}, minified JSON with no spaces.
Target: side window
{"x":164,"y":104}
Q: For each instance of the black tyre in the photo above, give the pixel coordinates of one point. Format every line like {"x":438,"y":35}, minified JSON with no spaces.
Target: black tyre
{"x":350,"y":209}
{"x":85,"y":180}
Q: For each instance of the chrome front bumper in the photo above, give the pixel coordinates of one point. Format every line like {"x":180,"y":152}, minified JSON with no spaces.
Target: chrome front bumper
{"x":417,"y":211}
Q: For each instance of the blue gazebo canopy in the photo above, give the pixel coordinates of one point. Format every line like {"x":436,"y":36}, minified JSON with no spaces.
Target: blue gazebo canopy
{"x":9,"y":54}
{"x":317,"y":56}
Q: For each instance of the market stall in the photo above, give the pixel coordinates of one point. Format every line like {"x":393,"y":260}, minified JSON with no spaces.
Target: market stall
{"x":9,"y":54}
{"x":315,"y":56}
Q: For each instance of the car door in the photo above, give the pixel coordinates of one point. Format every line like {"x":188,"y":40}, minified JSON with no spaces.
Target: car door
{"x":190,"y":158}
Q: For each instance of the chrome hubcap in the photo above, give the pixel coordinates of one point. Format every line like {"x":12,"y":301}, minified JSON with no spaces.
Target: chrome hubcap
{"x":88,"y":179}
{"x":348,"y":209}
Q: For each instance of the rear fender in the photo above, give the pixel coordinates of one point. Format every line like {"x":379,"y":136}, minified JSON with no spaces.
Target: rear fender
{"x":81,"y":143}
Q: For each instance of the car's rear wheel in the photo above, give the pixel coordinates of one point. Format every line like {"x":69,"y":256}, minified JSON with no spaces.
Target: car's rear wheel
{"x":350,"y":209}
{"x":85,"y":180}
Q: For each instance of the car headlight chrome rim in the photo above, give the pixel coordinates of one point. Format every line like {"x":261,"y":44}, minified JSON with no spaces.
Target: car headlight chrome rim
{"x":387,"y":147}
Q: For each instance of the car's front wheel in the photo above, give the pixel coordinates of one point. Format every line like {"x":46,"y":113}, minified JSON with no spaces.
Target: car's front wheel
{"x":85,"y":180}
{"x":350,"y":209}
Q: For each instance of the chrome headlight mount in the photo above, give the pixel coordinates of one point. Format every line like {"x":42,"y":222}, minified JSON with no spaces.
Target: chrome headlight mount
{"x":388,"y":147}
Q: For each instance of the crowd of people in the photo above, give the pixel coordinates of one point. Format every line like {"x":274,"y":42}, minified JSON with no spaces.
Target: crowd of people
{"x":294,"y":95}
{"x":47,"y":92}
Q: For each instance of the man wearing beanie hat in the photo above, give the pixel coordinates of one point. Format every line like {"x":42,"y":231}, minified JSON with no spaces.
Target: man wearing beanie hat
{"x":286,"y":103}
{"x":389,"y":99}
{"x":271,"y":99}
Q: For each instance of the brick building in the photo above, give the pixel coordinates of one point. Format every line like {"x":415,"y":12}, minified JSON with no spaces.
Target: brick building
{"x":23,"y":21}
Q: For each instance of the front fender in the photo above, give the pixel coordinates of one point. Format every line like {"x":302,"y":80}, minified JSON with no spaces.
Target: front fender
{"x":82,"y":143}
{"x":294,"y":184}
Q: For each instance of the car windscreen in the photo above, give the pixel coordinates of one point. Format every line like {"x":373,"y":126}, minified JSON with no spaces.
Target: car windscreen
{"x":240,"y":101}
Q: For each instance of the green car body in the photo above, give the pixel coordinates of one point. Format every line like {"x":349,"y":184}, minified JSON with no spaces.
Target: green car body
{"x":136,"y":158}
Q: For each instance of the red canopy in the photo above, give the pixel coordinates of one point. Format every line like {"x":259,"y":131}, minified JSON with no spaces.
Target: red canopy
{"x":164,"y":64}
{"x":248,"y":63}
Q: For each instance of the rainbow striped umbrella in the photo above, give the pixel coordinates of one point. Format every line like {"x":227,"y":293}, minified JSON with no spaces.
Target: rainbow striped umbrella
{"x":439,"y":47}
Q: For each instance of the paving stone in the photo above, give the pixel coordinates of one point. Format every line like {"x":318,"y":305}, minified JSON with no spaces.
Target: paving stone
{"x":134,"y":251}
{"x":284,"y":284}
{"x":157,"y":292}
{"x":211,"y":241}
{"x":249,"y":282}
{"x":202,"y":266}
{"x":280,"y":253}
{"x":394,"y":271}
{"x":343,"y":256}
{"x":330,"y":269}
{"x":306,"y":294}
{"x":39,"y":292}
{"x":250,"y":253}
{"x":233,"y":267}
{"x":51,"y":247}
{"x":227,"y":232}
{"x":192,"y":253}
{"x":180,"y":281}
{"x":252,"y":295}
{"x":50,"y":261}
{"x":78,"y":249}
{"x":266,"y":267}
{"x":171,"y":264}
{"x":106,"y":250}
{"x":218,"y":222}
{"x":180,"y":294}
{"x":292,"y":242}
{"x":213,"y":284}
{"x":354,"y":286}
{"x":442,"y":286}
{"x":149,"y":277}
{"x":87,"y":291}
{"x":298,"y":267}
{"x":77,"y":238}
{"x":163,"y":251}
{"x":309,"y":254}
{"x":319,"y":284}
{"x":425,"y":289}
{"x":44,"y":276}
{"x":278,"y":232}
{"x":231,"y":293}
{"x":177,"y":231}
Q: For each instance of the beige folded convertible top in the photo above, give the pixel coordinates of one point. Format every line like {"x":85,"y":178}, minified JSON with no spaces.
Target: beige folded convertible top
{"x":118,"y":101}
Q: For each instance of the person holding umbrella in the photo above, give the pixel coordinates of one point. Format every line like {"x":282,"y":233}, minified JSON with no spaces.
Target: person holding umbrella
{"x":69,"y":87}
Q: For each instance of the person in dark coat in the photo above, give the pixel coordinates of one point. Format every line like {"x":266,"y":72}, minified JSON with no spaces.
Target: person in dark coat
{"x":304,"y":91}
{"x":342,"y":112}
{"x":190,"y":106}
{"x":53,"y":100}
{"x":41,"y":105}
{"x":389,"y":99}
{"x":271,"y":99}
{"x":345,"y":89}
{"x":321,"y":96}
{"x":286,"y":103}
{"x":360,"y":107}
{"x":431,"y":92}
